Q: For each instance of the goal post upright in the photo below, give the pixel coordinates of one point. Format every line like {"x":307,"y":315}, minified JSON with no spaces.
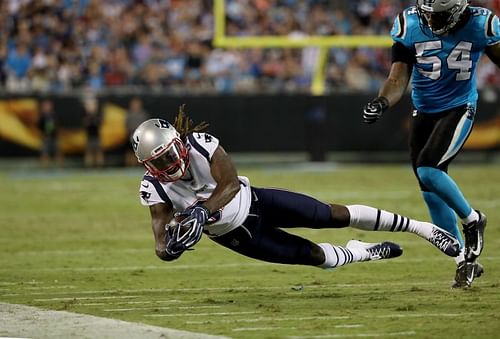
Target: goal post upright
{"x":323,"y":42}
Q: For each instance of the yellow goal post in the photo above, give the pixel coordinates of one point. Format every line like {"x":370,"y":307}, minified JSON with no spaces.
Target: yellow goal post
{"x":322,"y":42}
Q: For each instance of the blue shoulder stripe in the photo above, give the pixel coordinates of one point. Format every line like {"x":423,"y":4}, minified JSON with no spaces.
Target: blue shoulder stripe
{"x":198,"y":147}
{"x":158,"y":187}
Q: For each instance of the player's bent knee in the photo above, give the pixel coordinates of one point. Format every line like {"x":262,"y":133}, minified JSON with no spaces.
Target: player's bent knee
{"x":318,"y":255}
{"x":340,"y":215}
{"x":429,"y":176}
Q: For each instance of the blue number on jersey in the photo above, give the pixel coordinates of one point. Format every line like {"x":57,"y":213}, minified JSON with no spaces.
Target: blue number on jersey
{"x":444,"y":73}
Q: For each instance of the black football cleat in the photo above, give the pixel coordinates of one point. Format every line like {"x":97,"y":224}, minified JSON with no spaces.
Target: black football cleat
{"x":474,"y":238}
{"x":466,"y":273}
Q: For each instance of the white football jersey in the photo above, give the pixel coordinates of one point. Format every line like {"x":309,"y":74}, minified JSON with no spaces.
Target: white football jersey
{"x":198,"y":185}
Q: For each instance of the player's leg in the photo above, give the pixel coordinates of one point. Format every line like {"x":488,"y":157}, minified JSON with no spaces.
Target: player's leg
{"x":288,"y":209}
{"x":446,"y":189}
{"x":450,"y":131}
{"x":446,"y":140}
{"x":45,"y":154}
{"x":422,"y":126}
{"x":270,"y":244}
{"x":59,"y":156}
{"x":372,"y":219}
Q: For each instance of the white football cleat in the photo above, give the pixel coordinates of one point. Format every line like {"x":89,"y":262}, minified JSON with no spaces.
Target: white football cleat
{"x":377,"y":251}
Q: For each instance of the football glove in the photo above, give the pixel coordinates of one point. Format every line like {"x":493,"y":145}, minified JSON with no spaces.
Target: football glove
{"x":374,"y":109}
{"x":190,"y":229}
{"x":174,"y":248}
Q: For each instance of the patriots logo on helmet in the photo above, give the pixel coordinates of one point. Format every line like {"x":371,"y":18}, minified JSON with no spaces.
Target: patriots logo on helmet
{"x":162,"y":124}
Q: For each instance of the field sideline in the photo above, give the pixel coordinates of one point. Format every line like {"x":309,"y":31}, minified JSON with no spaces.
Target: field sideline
{"x":79,"y":241}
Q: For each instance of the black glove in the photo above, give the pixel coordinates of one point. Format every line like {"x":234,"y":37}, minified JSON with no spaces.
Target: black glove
{"x":190,"y":228}
{"x":174,"y":248}
{"x":374,"y":109}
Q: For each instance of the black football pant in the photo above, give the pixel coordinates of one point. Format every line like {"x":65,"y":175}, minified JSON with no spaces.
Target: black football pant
{"x":435,"y":139}
{"x":260,"y":236}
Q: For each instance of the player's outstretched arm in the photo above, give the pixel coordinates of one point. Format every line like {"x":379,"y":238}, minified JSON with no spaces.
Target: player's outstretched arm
{"x":228,"y":184}
{"x":493,"y":52}
{"x":161,"y":215}
{"x":391,"y":92}
{"x":397,"y":82}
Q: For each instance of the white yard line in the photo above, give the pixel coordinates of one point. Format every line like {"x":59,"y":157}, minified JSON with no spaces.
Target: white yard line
{"x":134,"y":268}
{"x":213,"y":266}
{"x":156,"y":290}
{"x":132,"y":303}
{"x":199,"y":314}
{"x":78,"y":252}
{"x":9,"y":283}
{"x":88,"y":298}
{"x":157,"y":308}
{"x":226,"y":288}
{"x":358,"y":335}
{"x":27,"y":321}
{"x":51,"y":287}
{"x":242,"y":329}
{"x":258,"y":319}
{"x":333,"y":317}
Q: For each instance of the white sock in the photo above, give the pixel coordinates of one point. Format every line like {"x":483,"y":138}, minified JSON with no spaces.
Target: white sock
{"x":372,"y":219}
{"x":461,"y":257}
{"x":336,"y":256}
{"x":473,"y":216}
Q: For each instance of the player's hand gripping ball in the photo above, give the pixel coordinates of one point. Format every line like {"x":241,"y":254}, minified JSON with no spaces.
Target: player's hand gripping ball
{"x":190,"y":224}
{"x":173,"y":248}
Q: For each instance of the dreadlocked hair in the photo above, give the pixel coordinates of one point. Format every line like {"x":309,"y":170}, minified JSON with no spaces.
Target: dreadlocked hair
{"x":184,"y":125}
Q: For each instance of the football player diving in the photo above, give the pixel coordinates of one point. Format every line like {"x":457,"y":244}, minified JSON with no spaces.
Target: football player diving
{"x":438,"y":44}
{"x":191,"y":187}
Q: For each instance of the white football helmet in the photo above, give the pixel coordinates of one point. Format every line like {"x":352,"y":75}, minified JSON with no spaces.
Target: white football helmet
{"x":441,"y":15}
{"x":158,"y":147}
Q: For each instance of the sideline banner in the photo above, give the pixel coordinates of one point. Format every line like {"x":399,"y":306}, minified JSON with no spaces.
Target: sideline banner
{"x":261,"y":123}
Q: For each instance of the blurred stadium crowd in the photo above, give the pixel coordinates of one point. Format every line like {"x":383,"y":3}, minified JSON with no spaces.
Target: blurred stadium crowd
{"x":165,"y":45}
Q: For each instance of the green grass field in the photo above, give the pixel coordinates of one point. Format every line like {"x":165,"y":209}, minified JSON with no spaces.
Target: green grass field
{"x":80,"y":241}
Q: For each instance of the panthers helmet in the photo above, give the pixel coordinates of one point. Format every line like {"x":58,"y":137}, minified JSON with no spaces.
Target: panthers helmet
{"x":441,"y":15}
{"x":158,"y":147}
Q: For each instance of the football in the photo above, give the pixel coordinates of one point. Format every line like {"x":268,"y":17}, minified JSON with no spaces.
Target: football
{"x":181,"y":229}
{"x":178,"y":218}
{"x":176,"y":230}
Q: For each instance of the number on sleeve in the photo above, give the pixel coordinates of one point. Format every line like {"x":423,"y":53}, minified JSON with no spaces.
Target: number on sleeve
{"x":208,"y":137}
